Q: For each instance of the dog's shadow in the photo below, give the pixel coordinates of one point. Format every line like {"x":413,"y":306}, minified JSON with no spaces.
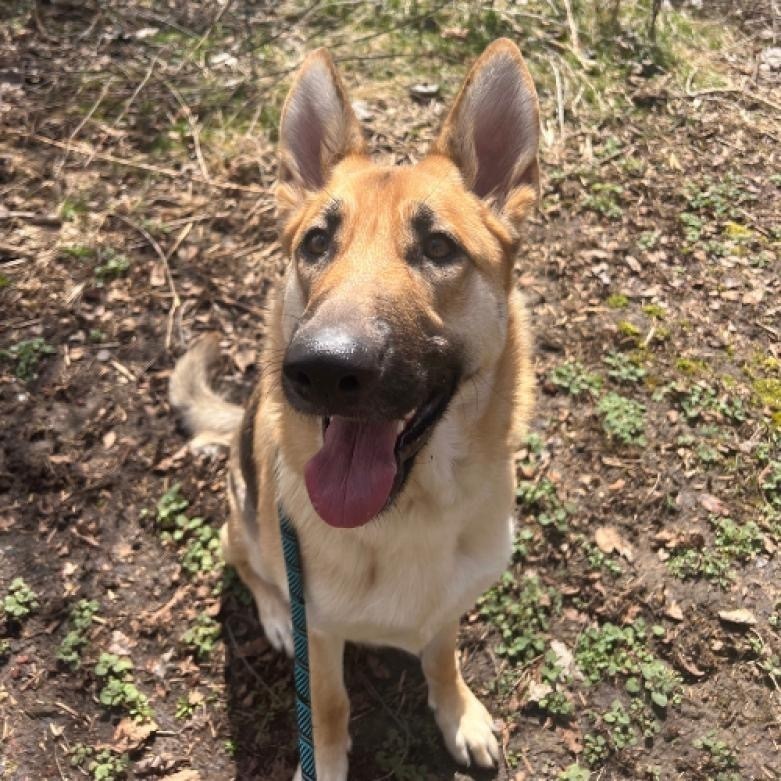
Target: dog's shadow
{"x":393,"y":731}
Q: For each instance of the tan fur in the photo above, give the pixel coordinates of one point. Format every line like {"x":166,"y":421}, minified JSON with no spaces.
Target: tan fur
{"x":404,"y":578}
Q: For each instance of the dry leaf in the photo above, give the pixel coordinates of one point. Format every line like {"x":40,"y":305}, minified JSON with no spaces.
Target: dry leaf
{"x":244,"y":359}
{"x":537,"y":691}
{"x":129,"y":735}
{"x":564,"y":657}
{"x":184,"y":775}
{"x":573,"y":739}
{"x":713,"y":505}
{"x":121,"y":644}
{"x":740,"y":616}
{"x":157,"y":275}
{"x":690,"y":667}
{"x":673,"y":610}
{"x":609,"y":539}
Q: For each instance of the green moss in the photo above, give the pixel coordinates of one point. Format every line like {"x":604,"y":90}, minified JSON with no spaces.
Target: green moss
{"x":768,"y":391}
{"x":617,"y":301}
{"x":737,"y":232}
{"x":661,"y":334}
{"x":692,"y":367}
{"x":625,"y":328}
{"x":655,"y":311}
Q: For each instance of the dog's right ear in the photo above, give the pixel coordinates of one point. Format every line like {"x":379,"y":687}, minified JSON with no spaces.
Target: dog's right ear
{"x":318,"y":129}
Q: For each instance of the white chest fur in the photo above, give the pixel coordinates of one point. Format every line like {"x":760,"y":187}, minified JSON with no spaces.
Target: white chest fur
{"x":448,"y":537}
{"x":399,"y":579}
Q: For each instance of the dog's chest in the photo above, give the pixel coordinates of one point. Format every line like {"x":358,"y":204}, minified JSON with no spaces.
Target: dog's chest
{"x":400,"y":586}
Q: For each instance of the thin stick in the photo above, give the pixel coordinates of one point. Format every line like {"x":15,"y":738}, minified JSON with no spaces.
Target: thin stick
{"x":176,"y":302}
{"x":154,"y":169}
{"x":129,"y":102}
{"x":559,"y":99}
{"x":194,"y":131}
{"x":81,"y":124}
{"x":573,"y":29}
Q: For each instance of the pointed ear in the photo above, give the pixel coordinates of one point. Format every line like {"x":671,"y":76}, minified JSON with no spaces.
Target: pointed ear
{"x":318,"y":128}
{"x":492,"y":132}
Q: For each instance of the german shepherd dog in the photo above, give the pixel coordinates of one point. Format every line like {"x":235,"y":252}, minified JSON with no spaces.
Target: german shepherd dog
{"x":397,"y":384}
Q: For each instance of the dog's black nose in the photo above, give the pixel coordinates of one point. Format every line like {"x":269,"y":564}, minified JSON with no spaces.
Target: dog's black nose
{"x":331,"y":371}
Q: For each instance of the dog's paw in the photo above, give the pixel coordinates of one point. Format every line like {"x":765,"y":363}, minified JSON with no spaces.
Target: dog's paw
{"x":468,"y":729}
{"x":275,"y":618}
{"x":331,"y":765}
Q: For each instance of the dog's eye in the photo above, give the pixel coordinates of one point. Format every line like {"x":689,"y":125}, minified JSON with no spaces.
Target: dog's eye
{"x":316,"y":242}
{"x":438,"y":247}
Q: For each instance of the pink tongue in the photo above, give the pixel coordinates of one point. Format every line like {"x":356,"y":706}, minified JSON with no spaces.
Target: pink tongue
{"x":350,"y":479}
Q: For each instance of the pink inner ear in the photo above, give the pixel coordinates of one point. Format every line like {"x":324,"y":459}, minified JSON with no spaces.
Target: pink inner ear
{"x":503,"y":125}
{"x":305,"y":132}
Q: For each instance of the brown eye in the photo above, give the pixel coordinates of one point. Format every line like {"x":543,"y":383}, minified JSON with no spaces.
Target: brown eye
{"x":316,"y":243}
{"x":438,"y":247}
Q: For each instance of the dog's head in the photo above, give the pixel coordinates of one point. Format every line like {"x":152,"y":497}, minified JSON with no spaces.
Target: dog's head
{"x":399,"y":279}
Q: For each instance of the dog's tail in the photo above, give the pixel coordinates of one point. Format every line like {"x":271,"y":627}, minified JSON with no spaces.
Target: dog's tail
{"x":209,"y":418}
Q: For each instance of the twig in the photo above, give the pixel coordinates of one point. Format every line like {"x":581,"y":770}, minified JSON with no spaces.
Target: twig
{"x":164,"y":257}
{"x":81,"y":124}
{"x":194,"y":132}
{"x":129,"y":102}
{"x":703,"y":93}
{"x":573,"y":28}
{"x":559,"y":99}
{"x":205,"y":37}
{"x":154,"y":169}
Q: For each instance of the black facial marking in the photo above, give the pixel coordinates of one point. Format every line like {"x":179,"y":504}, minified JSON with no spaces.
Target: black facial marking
{"x":247,"y":463}
{"x":327,"y":227}
{"x":431,"y":244}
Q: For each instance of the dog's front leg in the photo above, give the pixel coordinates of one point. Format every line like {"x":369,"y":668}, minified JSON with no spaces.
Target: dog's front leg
{"x":465,"y":723}
{"x":330,"y":707}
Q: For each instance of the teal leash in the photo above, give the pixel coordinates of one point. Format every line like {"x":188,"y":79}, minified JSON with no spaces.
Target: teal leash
{"x":295,"y":582}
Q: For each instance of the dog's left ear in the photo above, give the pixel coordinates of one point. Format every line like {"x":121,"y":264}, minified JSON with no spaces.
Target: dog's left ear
{"x":492,"y":132}
{"x":318,"y":129}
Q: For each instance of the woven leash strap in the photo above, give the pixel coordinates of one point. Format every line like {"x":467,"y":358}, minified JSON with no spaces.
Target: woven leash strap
{"x":295,"y":582}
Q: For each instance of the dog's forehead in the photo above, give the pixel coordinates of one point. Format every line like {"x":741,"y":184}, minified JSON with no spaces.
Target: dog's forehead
{"x":397,"y":190}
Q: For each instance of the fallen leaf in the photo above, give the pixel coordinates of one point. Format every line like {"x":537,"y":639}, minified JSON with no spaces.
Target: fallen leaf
{"x":184,"y":775}
{"x":424,"y":91}
{"x":129,"y":734}
{"x":60,"y":458}
{"x":713,"y":505}
{"x":362,"y":111}
{"x":244,"y":359}
{"x":172,"y":461}
{"x":537,"y":691}
{"x":68,"y":569}
{"x":740,"y":616}
{"x":690,"y":667}
{"x":564,"y":657}
{"x":573,"y":739}
{"x":609,"y":539}
{"x":673,"y":610}
{"x":120,"y":644}
{"x":157,"y":275}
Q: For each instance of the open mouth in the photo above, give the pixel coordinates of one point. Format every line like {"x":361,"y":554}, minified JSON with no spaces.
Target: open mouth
{"x":364,"y":464}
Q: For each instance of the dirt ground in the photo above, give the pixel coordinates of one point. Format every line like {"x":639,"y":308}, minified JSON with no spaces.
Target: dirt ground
{"x":638,"y":632}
